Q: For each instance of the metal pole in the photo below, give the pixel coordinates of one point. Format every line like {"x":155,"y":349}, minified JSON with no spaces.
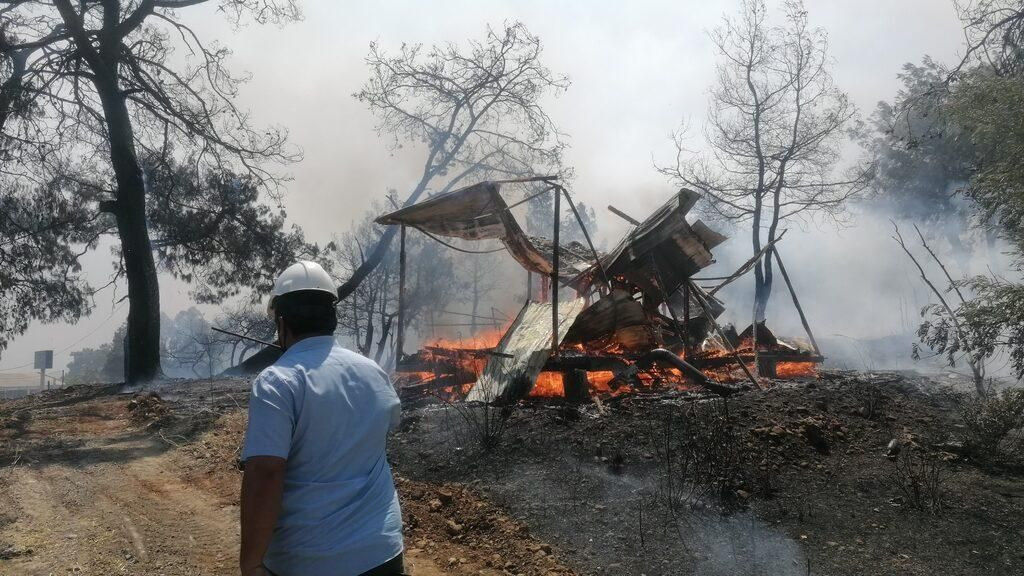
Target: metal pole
{"x":400,"y":337}
{"x":554,"y":276}
{"x":42,"y":378}
{"x":529,"y":285}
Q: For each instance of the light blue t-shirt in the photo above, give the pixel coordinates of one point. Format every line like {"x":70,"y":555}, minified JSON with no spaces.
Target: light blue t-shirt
{"x":328,"y":411}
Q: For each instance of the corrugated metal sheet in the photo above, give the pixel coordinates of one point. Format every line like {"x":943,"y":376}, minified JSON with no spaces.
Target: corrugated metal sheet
{"x":478,"y":212}
{"x":524,"y":348}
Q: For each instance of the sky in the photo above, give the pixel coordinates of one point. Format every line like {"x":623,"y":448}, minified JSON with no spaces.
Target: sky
{"x":638,"y":69}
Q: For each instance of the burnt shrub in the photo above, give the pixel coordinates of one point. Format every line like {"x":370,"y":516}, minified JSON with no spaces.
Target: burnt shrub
{"x":703,"y":456}
{"x":920,"y":481}
{"x":990,"y":421}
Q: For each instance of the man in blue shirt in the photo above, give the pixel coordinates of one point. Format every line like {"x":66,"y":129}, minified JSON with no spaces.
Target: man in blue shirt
{"x":318,"y":498}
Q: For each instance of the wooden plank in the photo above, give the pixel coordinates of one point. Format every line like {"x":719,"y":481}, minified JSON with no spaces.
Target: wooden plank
{"x":623,"y":215}
{"x":616,"y":317}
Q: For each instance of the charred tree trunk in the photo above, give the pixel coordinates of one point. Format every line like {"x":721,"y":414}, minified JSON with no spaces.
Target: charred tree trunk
{"x":143,"y":357}
{"x":760,"y":286}
{"x":385,"y":332}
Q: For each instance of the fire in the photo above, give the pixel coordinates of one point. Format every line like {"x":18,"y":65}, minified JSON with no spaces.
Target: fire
{"x":485,"y":339}
{"x":449,"y":367}
{"x":796,"y":369}
{"x":600,"y":381}
{"x":549,"y":385}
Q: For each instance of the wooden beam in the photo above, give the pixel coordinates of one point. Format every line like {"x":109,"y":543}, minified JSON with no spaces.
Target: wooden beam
{"x":745,"y":267}
{"x":575,"y":386}
{"x":586,"y":235}
{"x":711,"y":318}
{"x":623,"y":215}
{"x":796,"y":301}
{"x":664,"y":298}
{"x":554,"y":275}
{"x":686,"y":320}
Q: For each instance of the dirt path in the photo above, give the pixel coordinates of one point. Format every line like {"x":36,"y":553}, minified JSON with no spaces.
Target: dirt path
{"x":89,"y":487}
{"x":89,"y":494}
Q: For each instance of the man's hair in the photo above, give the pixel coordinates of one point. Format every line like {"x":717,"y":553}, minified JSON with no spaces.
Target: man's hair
{"x":307,"y":312}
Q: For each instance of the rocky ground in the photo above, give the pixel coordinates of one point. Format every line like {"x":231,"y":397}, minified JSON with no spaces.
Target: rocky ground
{"x":805,"y":477}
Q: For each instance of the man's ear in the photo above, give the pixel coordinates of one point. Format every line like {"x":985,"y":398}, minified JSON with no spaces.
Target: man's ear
{"x":280,"y":326}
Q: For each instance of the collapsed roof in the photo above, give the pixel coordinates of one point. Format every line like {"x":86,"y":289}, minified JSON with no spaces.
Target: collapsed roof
{"x":478,"y":212}
{"x":649,"y":268}
{"x":665,"y":243}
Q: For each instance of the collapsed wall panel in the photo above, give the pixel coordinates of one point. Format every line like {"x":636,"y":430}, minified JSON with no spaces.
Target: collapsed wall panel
{"x":520,"y":356}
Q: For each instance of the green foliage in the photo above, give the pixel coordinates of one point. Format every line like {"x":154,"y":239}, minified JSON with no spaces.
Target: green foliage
{"x":921,"y":155}
{"x":989,"y":109}
{"x":87,"y":366}
{"x":989,"y":420}
{"x":43,"y":231}
{"x":214,"y":231}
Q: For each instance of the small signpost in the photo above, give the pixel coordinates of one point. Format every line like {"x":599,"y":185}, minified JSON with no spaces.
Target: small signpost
{"x":43,"y":360}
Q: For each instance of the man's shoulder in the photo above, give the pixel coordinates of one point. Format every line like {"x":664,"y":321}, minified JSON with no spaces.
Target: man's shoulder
{"x":276,"y":375}
{"x":357,"y":360}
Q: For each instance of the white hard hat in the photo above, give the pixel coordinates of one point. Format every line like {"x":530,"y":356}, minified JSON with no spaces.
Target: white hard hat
{"x":303,"y":275}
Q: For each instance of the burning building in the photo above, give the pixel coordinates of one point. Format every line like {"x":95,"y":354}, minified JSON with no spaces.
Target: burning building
{"x":637,"y":318}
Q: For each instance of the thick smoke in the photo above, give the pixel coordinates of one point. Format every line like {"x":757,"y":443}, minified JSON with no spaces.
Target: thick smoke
{"x":861,"y":294}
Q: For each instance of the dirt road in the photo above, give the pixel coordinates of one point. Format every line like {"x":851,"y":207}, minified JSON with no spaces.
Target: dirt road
{"x":89,"y":486}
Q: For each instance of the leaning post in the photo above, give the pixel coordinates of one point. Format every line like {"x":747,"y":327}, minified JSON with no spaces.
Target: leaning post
{"x":400,"y":338}
{"x":796,"y":302}
{"x":688,"y":347}
{"x":554,"y":276}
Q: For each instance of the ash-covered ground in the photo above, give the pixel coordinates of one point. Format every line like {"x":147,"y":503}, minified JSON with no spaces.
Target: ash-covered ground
{"x":848,"y":473}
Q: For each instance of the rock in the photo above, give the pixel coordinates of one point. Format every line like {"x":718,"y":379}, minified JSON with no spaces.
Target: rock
{"x":892,"y":451}
{"x":953,"y":446}
{"x":453,"y":527}
{"x":435,"y":505}
{"x":815,"y":436}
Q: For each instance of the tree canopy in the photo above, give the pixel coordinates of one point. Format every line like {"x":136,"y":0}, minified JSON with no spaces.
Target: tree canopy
{"x":116,"y":110}
{"x":776,"y":124}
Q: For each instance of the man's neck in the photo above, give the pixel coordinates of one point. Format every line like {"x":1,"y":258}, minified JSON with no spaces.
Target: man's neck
{"x":293,"y":340}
